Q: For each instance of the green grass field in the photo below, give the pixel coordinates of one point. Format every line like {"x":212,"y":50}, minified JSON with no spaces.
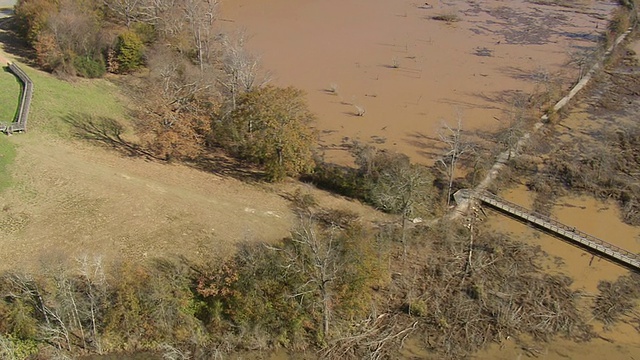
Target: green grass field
{"x":55,"y":101}
{"x":9,"y":96}
{"x":9,"y":99}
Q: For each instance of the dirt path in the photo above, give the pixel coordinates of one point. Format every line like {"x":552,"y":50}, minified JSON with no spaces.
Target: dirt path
{"x":7,"y":3}
{"x":6,"y":8}
{"x":3,"y":58}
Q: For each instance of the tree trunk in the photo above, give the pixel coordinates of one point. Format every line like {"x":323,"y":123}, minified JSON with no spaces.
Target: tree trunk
{"x":326,"y":306}
{"x":452,"y":171}
{"x":404,"y":235}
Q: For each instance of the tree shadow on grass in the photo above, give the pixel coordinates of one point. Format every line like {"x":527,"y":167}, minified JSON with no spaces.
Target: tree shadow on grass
{"x":12,"y":42}
{"x":106,"y":131}
{"x":216,"y":162}
{"x":109,"y":132}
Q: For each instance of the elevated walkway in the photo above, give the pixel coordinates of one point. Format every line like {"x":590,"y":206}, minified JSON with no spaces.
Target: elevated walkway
{"x":20,"y":123}
{"x":553,"y":227}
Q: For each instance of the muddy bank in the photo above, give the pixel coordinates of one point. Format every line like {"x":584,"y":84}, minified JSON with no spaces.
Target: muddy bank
{"x":408,"y":71}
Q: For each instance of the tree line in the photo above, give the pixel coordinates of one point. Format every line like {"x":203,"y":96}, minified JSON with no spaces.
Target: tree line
{"x":196,"y":88}
{"x":336,"y":287}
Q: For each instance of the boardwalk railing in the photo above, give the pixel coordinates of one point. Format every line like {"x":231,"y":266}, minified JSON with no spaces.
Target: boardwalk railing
{"x":555,"y":227}
{"x":20,"y":123}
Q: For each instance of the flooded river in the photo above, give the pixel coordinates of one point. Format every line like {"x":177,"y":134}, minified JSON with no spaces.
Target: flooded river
{"x":595,"y":218}
{"x":409,"y":72}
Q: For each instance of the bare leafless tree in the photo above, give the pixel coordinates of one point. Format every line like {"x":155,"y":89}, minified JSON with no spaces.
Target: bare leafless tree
{"x":404,"y":189}
{"x":455,"y":147}
{"x":516,"y":125}
{"x":201,"y":15}
{"x":127,"y":10}
{"x":92,"y":274}
{"x":315,"y":255}
{"x":141,"y":11}
{"x":241,"y":68}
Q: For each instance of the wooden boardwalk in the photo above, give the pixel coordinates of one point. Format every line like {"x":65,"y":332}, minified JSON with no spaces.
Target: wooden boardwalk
{"x":20,"y":123}
{"x":556,"y":228}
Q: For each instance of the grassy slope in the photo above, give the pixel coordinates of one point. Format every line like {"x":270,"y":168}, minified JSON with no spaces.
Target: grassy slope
{"x":9,"y":96}
{"x":69,"y":198}
{"x":55,"y":101}
{"x":9,"y":99}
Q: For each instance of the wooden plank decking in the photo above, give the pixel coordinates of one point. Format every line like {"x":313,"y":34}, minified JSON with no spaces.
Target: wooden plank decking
{"x":556,"y":228}
{"x":20,"y":125}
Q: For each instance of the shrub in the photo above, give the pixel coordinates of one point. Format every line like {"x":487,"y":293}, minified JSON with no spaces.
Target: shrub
{"x":417,"y":308}
{"x":338,"y":179}
{"x":146,"y":32}
{"x":32,"y":16}
{"x":89,"y":67}
{"x":271,"y":126}
{"x":129,"y":51}
{"x":448,"y":17}
{"x":48,"y":53}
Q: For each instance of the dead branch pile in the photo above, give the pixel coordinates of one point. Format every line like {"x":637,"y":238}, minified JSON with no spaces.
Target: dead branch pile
{"x":599,"y":158}
{"x":617,"y":299}
{"x":375,"y":338}
{"x":606,"y":168}
{"x":476,"y":291}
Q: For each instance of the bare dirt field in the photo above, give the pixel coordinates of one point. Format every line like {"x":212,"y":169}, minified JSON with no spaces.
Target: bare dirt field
{"x":408,"y":71}
{"x":71,"y":200}
{"x":88,"y":201}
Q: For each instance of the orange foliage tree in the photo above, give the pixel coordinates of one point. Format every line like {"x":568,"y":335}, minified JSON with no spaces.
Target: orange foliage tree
{"x":62,"y":31}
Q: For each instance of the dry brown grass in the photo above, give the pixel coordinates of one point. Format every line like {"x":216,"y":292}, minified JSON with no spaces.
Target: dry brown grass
{"x":72,"y":199}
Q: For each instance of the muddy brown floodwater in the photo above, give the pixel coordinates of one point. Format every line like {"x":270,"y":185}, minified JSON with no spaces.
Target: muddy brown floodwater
{"x":411,"y":73}
{"x":408,"y":71}
{"x":593,"y":217}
